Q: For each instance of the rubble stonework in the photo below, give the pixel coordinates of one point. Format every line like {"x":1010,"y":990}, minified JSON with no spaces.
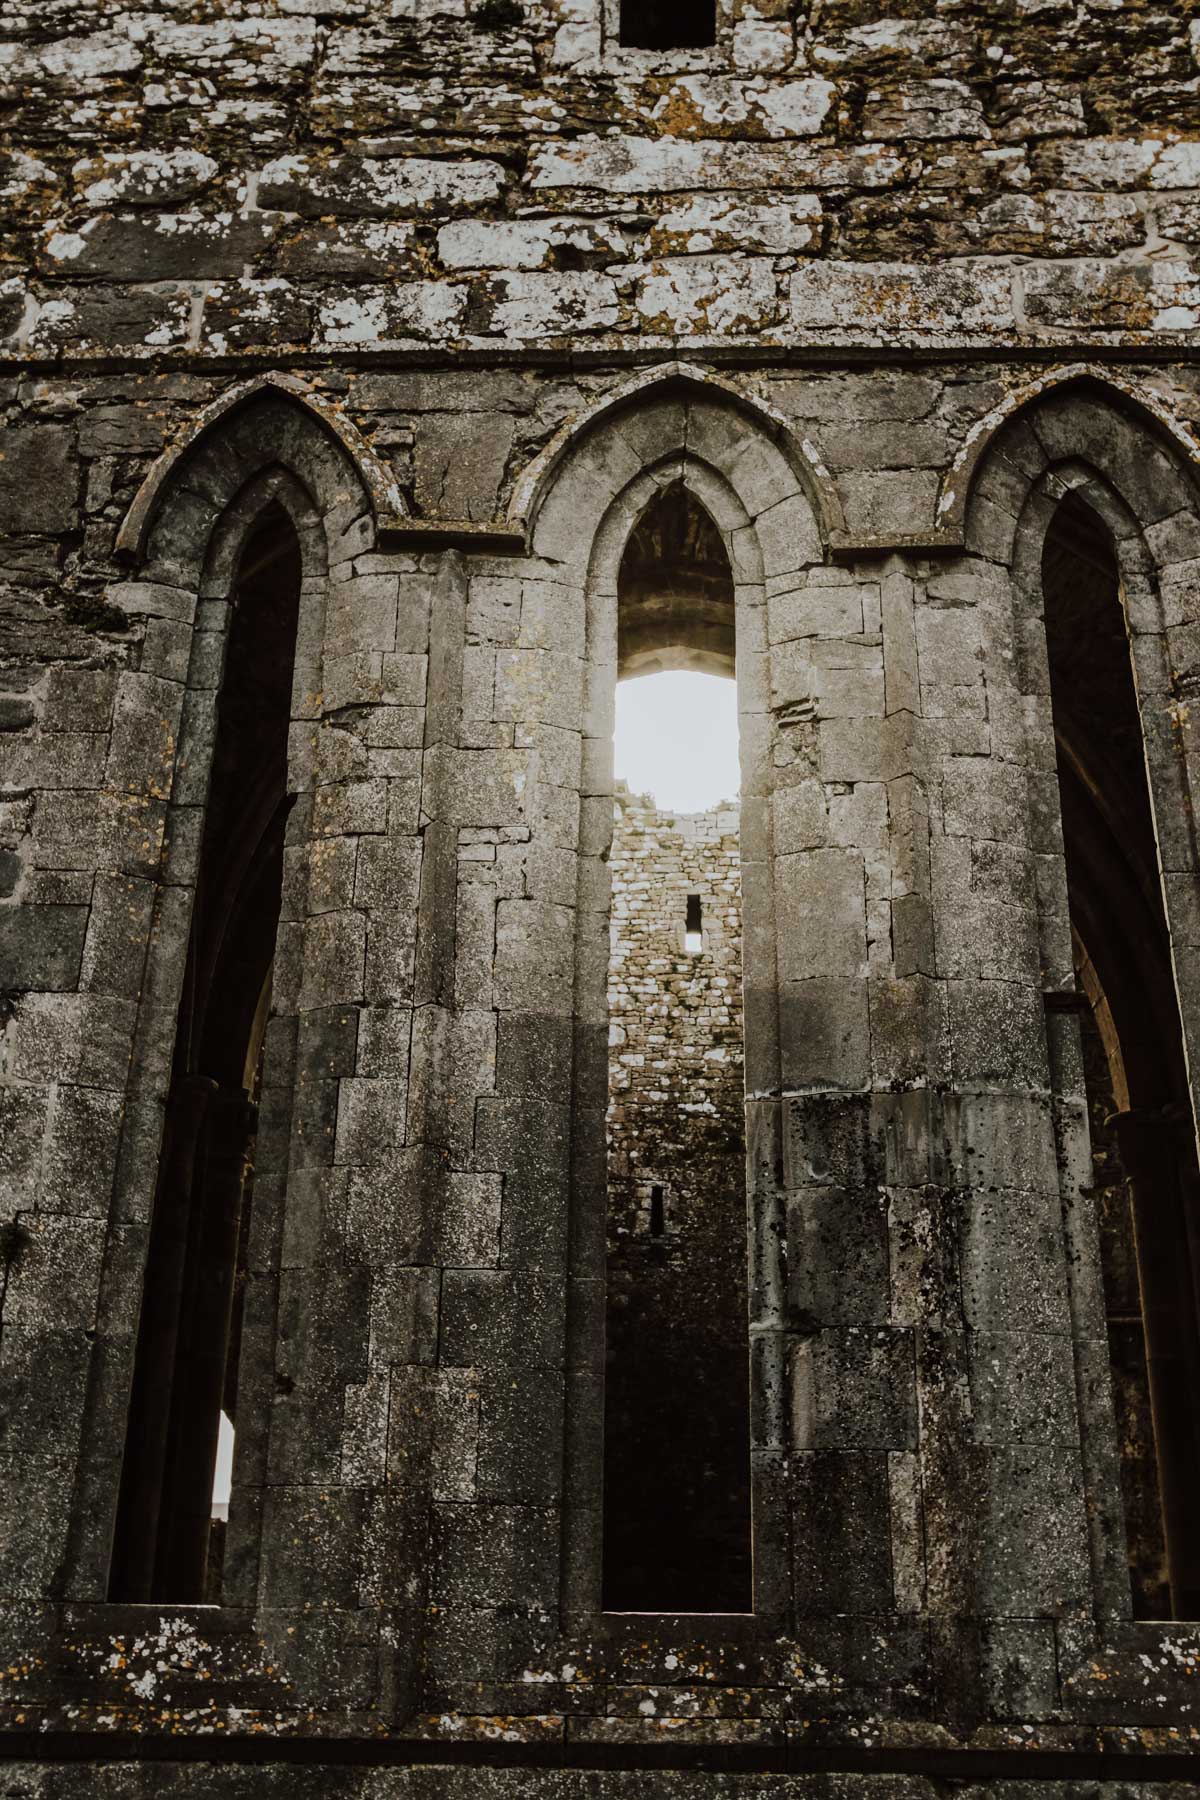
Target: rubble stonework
{"x":247,"y":179}
{"x":456,"y":289}
{"x":676,"y":1031}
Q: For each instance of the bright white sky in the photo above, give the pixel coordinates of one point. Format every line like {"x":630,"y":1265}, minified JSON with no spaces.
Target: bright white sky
{"x":223,"y":1473}
{"x":677,"y":739}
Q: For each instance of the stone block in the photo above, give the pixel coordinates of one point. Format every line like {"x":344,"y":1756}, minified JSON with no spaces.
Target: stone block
{"x":840,"y":1533}
{"x":54,"y":1275}
{"x":539,"y":687}
{"x":495,"y":1555}
{"x":388,"y":874}
{"x":370,"y":1119}
{"x":521,"y":1435}
{"x":935,"y":109}
{"x":814,"y":611}
{"x":827,"y":1142}
{"x":902,"y":681}
{"x":23,"y":1113}
{"x":837,"y":1257}
{"x":723,"y":223}
{"x":404,"y":1316}
{"x":653,"y":165}
{"x":76,"y":1036}
{"x":391,"y":1210}
{"x":890,"y":503}
{"x":1011,"y":1258}
{"x":1031,"y":1555}
{"x":43,"y":1378}
{"x":998,"y":1034}
{"x":80,"y":1156}
{"x":117,"y":936}
{"x":901,"y":297}
{"x":533,"y":1055}
{"x":824,"y":1033}
{"x":552,"y":304}
{"x":999,"y":1140}
{"x":1089,"y":292}
{"x":1023,"y":1388}
{"x":497,"y":1318}
{"x":313,"y":1542}
{"x":39,"y":481}
{"x":535,"y":955}
{"x":391,"y":957}
{"x":854,"y":1389}
{"x":153,"y":178}
{"x":145,"y":247}
{"x":366,"y":187}
{"x":820,"y":913}
{"x":460,"y":461}
{"x":41,"y":947}
{"x":698,"y":294}
{"x":334,"y":951}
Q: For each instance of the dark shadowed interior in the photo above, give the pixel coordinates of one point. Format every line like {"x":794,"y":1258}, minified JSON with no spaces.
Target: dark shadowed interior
{"x":668,"y":24}
{"x":166,"y":1546}
{"x":1144,"y":1150}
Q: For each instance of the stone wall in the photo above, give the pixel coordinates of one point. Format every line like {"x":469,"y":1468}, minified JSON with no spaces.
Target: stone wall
{"x":415,"y":1529}
{"x":677,"y":1428}
{"x":462,"y":286}
{"x":453,"y":171}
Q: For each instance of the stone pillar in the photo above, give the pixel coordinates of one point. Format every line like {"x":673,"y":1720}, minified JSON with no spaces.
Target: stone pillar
{"x":1158,"y":1154}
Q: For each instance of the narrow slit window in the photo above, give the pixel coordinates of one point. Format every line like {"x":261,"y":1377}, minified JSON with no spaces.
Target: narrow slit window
{"x":668,"y":24}
{"x":693,"y":930}
{"x":1145,"y":1175}
{"x":173,"y":1502}
{"x":677,"y":1428}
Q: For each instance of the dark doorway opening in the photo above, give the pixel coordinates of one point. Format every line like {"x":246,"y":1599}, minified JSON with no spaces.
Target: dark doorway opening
{"x":668,"y":24}
{"x":167,"y":1545}
{"x":1144,"y":1147}
{"x":677,"y":1424}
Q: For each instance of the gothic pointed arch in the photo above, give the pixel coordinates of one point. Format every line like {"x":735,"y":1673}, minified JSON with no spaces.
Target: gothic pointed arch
{"x":1090,"y":505}
{"x":664,"y":401}
{"x":244,"y":544}
{"x":225,"y":421}
{"x":1090,"y":395}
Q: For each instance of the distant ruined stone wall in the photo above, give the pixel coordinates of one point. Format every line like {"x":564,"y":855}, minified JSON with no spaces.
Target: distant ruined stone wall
{"x":675,"y":1072}
{"x":677,"y":1423}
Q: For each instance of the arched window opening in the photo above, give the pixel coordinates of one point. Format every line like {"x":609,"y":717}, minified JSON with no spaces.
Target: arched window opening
{"x":170,"y":1529}
{"x":676,"y":591}
{"x":677,"y":1428}
{"x":1144,"y":1149}
{"x":668,"y":24}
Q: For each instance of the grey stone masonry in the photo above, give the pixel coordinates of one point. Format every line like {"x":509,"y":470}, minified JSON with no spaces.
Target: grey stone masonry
{"x":445,"y":171}
{"x":414,"y":308}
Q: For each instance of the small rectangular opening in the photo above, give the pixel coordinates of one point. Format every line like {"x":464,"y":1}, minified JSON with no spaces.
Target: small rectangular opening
{"x":658,"y":1212}
{"x":668,"y":24}
{"x":693,"y":929}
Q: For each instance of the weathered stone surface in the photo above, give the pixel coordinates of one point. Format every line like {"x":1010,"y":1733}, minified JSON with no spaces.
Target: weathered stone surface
{"x":38,"y":480}
{"x":914,"y":286}
{"x":374,"y":188}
